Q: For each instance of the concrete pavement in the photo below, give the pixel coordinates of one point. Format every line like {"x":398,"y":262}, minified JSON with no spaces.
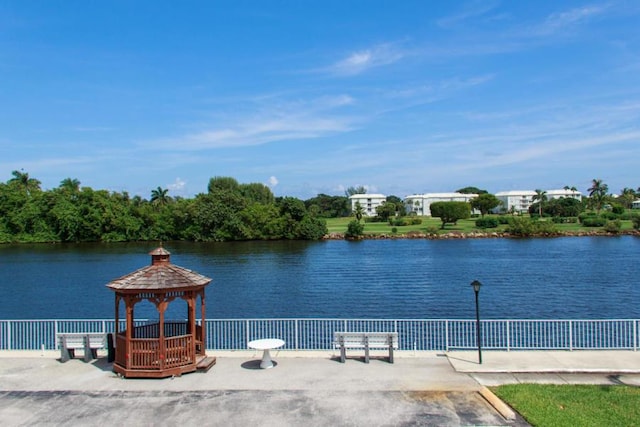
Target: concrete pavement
{"x":310,"y":388}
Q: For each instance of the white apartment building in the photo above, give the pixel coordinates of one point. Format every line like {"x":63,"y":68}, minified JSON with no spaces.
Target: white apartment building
{"x":558,"y":194}
{"x":515,"y":201}
{"x":369,"y":202}
{"x":519,"y":201}
{"x":420,"y":203}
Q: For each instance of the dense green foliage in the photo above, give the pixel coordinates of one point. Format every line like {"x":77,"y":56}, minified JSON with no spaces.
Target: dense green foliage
{"x":563,"y":207}
{"x":593,"y":221}
{"x":450,"y":212}
{"x":489,"y":222}
{"x":228,"y":211}
{"x":485,"y":203}
{"x":525,"y":227}
{"x":405,"y":220}
{"x":471,"y":190}
{"x":386,"y":211}
{"x":328,"y":206}
{"x":573,"y":405}
{"x":355,"y":230}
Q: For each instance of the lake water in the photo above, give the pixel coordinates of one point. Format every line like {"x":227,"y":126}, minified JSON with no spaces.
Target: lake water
{"x":573,"y":277}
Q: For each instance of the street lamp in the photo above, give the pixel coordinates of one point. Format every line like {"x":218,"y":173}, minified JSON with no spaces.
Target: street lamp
{"x":476,"y":288}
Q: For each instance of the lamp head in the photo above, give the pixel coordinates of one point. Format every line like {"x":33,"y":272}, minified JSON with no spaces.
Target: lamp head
{"x":476,"y":286}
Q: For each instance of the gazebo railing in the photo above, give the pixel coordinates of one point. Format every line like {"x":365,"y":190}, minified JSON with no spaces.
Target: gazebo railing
{"x":147,"y":354}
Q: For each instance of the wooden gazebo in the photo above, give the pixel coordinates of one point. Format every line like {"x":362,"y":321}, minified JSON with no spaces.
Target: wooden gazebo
{"x":160,"y":348}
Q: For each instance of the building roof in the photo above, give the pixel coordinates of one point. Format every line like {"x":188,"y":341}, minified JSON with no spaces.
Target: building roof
{"x":440,"y":195}
{"x":367,"y":196}
{"x":564,"y":192}
{"x":161,"y":275}
{"x":516,"y":193}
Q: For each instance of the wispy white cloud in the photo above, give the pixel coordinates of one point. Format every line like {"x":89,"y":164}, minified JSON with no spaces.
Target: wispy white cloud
{"x":508,"y":37}
{"x":440,"y":89}
{"x":567,"y":20}
{"x":469,"y":10}
{"x":277,"y":121}
{"x":273,"y":181}
{"x":363,"y":60}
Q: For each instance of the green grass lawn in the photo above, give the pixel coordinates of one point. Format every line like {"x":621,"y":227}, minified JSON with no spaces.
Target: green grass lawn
{"x":339,"y":225}
{"x":573,"y":405}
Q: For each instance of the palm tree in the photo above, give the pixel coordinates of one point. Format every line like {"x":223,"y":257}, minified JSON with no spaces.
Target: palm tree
{"x":160,"y":197}
{"x":541,"y":196}
{"x":359,"y":211}
{"x":627,"y":196}
{"x":598,"y":193}
{"x":70,"y":184}
{"x":21,"y":179}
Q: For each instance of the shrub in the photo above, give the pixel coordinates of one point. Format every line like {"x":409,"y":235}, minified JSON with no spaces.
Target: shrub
{"x":617,"y":209}
{"x":613,"y":226}
{"x":564,"y":220}
{"x":503,"y":220}
{"x":394,"y":230}
{"x":399,"y":222}
{"x":636,"y":222}
{"x":432,"y":230}
{"x":586,"y":215}
{"x":594,"y":221}
{"x":355,"y":230}
{"x":610,"y":215}
{"x":525,"y":227}
{"x":373,"y":219}
{"x":416,"y":221}
{"x":488,"y":222}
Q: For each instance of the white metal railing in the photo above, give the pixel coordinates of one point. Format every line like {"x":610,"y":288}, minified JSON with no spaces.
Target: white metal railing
{"x":317,"y":334}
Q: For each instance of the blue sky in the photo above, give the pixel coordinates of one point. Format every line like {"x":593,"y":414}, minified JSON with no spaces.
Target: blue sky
{"x":309,"y":97}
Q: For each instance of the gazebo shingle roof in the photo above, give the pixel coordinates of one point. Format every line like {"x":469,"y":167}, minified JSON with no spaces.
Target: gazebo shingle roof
{"x":161,"y":275}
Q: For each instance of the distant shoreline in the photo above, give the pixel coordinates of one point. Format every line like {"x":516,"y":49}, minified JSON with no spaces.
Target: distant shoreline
{"x":481,"y":235}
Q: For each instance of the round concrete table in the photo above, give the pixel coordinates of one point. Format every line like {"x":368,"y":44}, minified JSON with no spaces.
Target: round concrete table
{"x":266,"y":345}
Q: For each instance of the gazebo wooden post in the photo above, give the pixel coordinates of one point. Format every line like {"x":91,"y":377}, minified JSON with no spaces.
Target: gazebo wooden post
{"x":162,"y":350}
{"x":191,"y":322}
{"x":203,"y":329}
{"x":116,"y":327}
{"x":129,"y":331}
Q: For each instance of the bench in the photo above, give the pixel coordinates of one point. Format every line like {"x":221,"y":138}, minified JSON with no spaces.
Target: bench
{"x":366,"y":340}
{"x":90,"y":343}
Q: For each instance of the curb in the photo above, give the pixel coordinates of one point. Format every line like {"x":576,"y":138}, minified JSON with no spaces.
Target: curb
{"x":504,"y":409}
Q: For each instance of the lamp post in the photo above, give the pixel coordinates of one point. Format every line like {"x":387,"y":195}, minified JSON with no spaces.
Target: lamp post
{"x":476,"y":288}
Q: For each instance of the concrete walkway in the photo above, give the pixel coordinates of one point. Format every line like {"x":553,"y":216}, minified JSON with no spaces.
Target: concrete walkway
{"x":310,"y":388}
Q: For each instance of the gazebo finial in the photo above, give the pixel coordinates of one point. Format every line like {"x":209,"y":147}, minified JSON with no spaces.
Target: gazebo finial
{"x":160,"y":256}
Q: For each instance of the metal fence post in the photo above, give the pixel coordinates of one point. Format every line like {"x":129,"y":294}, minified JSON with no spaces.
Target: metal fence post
{"x":570,"y":335}
{"x":9,"y":335}
{"x":508,"y":335}
{"x":247,"y":333}
{"x":55,"y":335}
{"x":446,"y":335}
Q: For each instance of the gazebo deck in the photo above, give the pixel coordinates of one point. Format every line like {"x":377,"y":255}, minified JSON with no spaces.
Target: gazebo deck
{"x":152,"y":356}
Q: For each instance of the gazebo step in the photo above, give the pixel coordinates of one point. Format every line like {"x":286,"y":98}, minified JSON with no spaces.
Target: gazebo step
{"x":205,"y":363}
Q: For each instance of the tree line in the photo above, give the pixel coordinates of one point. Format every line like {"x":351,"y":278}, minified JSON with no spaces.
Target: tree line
{"x":228,"y":211}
